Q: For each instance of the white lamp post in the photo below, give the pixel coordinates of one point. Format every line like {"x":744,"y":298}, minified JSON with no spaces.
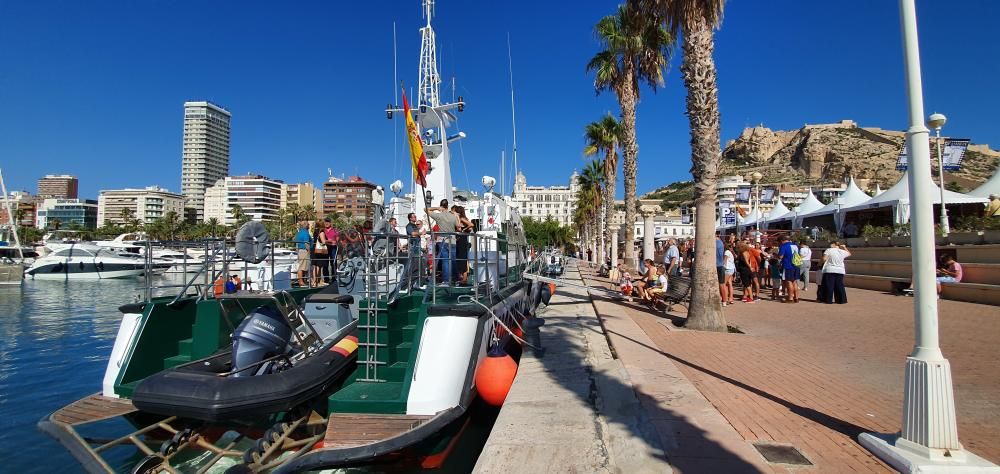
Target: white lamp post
{"x":936,"y":121}
{"x":928,"y":441}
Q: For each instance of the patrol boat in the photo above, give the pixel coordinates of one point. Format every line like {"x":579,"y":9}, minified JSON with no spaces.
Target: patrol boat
{"x":410,"y":347}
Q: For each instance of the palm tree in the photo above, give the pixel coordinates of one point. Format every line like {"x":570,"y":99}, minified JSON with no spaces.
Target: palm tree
{"x":696,"y":21}
{"x":126,"y":216}
{"x":309,"y":212}
{"x":170,"y":223}
{"x":636,"y":49}
{"x":602,"y":136}
{"x":589,"y":198}
{"x":213,"y":223}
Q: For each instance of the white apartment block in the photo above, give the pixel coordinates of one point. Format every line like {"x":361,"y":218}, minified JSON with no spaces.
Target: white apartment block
{"x":258,"y":196}
{"x":146,"y":205}
{"x":541,"y":202}
{"x":205,"y":157}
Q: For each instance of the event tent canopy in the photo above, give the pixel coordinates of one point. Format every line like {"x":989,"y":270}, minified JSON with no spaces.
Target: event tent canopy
{"x":852,"y":196}
{"x":777,"y":212}
{"x":898,"y":198}
{"x":991,"y":186}
{"x":810,"y":204}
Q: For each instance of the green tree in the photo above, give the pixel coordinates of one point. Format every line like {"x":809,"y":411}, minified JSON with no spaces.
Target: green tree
{"x":602,"y":136}
{"x":636,"y":49}
{"x":213,"y":225}
{"x":696,"y":21}
{"x":588,"y":202}
{"x":171,"y":224}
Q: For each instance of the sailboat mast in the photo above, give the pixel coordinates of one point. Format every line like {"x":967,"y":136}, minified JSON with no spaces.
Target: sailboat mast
{"x":10,"y":216}
{"x":513,"y":120}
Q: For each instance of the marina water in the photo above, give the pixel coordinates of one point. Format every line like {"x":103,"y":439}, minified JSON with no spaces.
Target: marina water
{"x":55,"y":338}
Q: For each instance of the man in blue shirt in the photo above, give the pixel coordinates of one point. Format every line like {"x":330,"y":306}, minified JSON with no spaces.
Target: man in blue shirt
{"x":302,"y":245}
{"x":720,"y":263}
{"x":787,"y":253}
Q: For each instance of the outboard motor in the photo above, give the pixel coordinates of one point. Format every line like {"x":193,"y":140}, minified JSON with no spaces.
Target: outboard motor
{"x":261,"y":335}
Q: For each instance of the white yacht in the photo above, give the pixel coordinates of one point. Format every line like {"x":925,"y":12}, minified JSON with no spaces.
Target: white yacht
{"x":88,"y":262}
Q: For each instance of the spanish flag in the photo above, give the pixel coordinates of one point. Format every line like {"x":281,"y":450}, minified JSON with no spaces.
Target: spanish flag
{"x":417,"y":157}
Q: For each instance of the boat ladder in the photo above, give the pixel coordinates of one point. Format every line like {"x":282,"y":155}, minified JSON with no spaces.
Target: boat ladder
{"x":376,"y":299}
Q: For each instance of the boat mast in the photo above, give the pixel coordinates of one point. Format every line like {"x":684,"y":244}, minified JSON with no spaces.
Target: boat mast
{"x":11,"y":217}
{"x":430,"y":81}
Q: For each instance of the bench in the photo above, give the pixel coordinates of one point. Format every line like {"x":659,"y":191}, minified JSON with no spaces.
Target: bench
{"x":678,"y":292}
{"x":971,"y":292}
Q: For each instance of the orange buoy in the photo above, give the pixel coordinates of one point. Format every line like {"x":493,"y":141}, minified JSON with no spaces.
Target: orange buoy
{"x":495,"y":376}
{"x":220,"y":286}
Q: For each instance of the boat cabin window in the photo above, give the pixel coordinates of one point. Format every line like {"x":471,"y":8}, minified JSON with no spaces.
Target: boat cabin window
{"x":73,"y":253}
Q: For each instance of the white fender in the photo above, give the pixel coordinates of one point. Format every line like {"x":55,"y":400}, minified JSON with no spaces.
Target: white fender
{"x":127,"y":332}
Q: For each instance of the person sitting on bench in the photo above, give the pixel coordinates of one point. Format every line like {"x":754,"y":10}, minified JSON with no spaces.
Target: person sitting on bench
{"x":950,"y":272}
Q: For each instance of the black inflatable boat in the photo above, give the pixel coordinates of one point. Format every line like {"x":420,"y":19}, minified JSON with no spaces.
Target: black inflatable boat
{"x":266,"y":375}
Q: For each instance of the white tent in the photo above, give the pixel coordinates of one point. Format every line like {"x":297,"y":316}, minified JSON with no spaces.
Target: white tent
{"x":810,"y":204}
{"x":878,"y":189}
{"x":741,"y":221}
{"x":852,"y":196}
{"x":777,"y":212}
{"x":898,"y":198}
{"x":991,"y":186}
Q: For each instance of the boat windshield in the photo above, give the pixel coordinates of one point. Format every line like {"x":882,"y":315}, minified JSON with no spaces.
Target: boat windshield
{"x":73,"y":252}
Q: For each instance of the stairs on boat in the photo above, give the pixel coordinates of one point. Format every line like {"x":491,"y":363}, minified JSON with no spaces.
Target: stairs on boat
{"x":386,"y":339}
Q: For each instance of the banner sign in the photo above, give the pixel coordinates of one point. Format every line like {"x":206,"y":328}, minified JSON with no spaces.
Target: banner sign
{"x":953,"y":150}
{"x":727,"y":213}
{"x":767,"y":194}
{"x":743,"y":195}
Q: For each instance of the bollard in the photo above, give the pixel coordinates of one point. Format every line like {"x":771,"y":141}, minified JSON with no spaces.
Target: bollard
{"x":533,"y":335}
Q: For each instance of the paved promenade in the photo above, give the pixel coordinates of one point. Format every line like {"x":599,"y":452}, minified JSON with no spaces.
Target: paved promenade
{"x":809,"y":375}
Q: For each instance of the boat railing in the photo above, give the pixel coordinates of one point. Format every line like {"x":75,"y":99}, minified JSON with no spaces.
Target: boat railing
{"x":205,"y":266}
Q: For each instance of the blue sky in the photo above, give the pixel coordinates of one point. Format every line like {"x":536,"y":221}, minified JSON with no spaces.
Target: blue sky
{"x":96,"y":89}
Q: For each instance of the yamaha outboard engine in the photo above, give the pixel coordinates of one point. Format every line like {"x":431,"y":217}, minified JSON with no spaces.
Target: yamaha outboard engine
{"x":261,"y":335}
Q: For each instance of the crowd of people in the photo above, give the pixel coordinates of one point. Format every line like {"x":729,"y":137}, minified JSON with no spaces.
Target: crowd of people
{"x":322,"y":247}
{"x":745,"y":264}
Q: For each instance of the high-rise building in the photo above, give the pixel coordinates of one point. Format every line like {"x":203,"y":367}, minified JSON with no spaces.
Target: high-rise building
{"x":351,"y":197}
{"x":542,"y":202}
{"x":206,"y":152}
{"x":144,"y":205}
{"x":23,"y":205}
{"x":61,"y":186}
{"x":258,"y":198}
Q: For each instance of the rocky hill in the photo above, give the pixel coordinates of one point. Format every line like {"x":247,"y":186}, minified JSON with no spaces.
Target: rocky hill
{"x":822,"y":155}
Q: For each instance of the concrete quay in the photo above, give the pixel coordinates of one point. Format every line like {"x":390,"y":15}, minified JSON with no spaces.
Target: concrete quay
{"x":626,"y":390}
{"x":572,"y":409}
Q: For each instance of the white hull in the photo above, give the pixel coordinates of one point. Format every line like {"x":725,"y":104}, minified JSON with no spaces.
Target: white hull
{"x":87,"y":275}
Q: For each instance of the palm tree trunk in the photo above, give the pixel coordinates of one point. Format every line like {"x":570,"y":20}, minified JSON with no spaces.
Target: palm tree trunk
{"x":699,"y":73}
{"x":630,"y":150}
{"x":609,"y":204}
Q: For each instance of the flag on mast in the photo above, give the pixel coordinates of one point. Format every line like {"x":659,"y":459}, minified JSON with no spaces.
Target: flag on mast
{"x":417,"y":156}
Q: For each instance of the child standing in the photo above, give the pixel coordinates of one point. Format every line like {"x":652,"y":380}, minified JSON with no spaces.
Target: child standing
{"x":775,"y":270}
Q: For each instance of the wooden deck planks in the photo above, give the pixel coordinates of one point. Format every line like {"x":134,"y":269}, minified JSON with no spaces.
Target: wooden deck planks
{"x":93,"y":408}
{"x":349,"y":430}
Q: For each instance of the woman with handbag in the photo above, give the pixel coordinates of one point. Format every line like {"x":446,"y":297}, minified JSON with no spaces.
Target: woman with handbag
{"x":320,"y":256}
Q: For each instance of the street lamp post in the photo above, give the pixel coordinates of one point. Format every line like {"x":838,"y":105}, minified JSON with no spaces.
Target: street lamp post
{"x":936,"y":121}
{"x":928,"y":441}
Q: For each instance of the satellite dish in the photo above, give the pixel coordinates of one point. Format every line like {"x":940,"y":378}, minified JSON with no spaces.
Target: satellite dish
{"x":252,"y":242}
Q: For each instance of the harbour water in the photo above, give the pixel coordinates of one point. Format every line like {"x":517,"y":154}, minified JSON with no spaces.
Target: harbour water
{"x":55,"y":338}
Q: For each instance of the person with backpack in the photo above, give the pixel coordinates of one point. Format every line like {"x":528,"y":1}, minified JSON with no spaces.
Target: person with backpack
{"x":791,"y":263}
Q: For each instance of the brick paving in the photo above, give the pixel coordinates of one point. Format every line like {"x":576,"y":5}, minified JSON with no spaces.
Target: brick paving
{"x":814,"y":376}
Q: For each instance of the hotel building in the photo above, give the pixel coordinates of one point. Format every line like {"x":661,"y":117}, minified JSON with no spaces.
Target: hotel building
{"x":205,"y":155}
{"x":145,"y":205}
